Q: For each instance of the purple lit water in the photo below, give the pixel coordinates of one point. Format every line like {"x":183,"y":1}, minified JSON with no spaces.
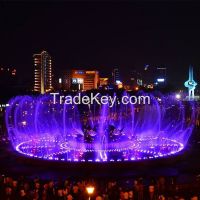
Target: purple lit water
{"x":81,"y":133}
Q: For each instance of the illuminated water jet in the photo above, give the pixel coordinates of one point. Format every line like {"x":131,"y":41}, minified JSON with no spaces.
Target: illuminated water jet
{"x":98,"y":133}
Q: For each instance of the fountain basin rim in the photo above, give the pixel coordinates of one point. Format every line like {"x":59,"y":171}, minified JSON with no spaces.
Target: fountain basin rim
{"x":174,"y":147}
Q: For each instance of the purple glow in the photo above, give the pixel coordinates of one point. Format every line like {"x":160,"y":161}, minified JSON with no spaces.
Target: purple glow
{"x":79,"y":133}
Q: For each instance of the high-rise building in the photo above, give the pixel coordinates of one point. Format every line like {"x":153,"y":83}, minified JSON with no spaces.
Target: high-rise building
{"x":91,"y":80}
{"x":80,"y":80}
{"x":76,"y":79}
{"x":43,"y":72}
{"x":115,"y":76}
{"x":161,"y":76}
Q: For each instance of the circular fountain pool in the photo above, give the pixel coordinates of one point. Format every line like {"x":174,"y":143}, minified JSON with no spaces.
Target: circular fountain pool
{"x":98,"y":133}
{"x":140,"y":149}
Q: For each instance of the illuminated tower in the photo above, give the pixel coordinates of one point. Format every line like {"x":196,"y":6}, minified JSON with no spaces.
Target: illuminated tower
{"x":190,"y":84}
{"x":43,"y":72}
{"x":115,"y":75}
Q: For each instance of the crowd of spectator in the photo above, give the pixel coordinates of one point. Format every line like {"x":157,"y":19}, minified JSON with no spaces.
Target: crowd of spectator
{"x":161,"y":188}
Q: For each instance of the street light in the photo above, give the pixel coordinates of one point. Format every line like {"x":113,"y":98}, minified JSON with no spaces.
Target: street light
{"x":90,"y":190}
{"x":178,"y":96}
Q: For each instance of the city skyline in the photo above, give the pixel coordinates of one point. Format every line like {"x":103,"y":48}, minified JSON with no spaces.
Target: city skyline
{"x":50,"y":78}
{"x":102,"y":36}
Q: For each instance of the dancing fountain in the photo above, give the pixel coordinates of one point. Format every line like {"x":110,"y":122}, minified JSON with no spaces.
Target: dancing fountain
{"x":43,"y":129}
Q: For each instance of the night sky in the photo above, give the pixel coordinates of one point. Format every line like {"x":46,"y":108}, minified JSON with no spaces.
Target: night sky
{"x":102,"y":35}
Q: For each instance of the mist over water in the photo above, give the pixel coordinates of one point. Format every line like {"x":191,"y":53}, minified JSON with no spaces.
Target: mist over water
{"x":39,"y":128}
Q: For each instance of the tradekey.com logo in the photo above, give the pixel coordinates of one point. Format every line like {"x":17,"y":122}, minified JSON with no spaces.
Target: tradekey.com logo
{"x":99,"y":99}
